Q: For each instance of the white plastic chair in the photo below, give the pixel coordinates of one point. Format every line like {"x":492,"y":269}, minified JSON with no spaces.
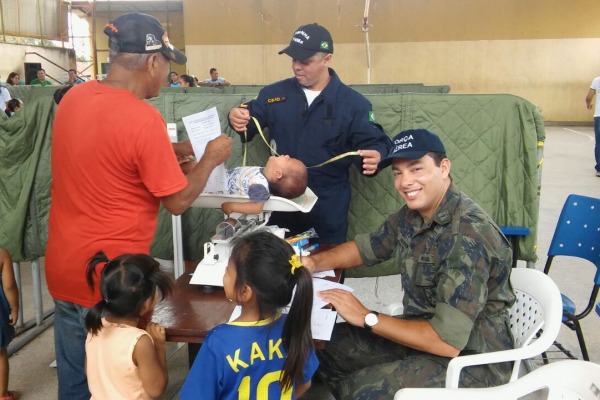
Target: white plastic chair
{"x":569,"y":379}
{"x":538,"y":305}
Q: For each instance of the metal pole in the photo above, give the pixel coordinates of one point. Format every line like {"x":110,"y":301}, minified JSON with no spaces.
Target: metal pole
{"x":2,"y":22}
{"x":37,"y":291}
{"x":365,"y":29}
{"x":39,"y":15}
{"x":95,"y":50}
{"x":17,"y":271}
{"x":22,"y":340}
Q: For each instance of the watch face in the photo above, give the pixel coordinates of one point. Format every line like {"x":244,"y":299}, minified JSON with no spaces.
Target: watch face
{"x":371,"y":319}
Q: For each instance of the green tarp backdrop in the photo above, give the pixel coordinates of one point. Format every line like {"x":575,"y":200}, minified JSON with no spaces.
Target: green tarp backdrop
{"x":493,"y":141}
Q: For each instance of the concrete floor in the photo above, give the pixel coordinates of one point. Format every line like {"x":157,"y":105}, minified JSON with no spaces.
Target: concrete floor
{"x":568,"y":168}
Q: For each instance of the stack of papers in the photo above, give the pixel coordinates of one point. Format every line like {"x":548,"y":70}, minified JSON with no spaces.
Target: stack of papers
{"x":323,"y":319}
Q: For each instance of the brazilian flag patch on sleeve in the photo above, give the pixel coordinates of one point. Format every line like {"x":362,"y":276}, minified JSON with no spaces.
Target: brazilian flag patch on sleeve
{"x":371,"y":116}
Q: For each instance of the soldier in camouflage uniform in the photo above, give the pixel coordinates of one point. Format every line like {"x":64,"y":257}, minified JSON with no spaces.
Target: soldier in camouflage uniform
{"x":455,"y":265}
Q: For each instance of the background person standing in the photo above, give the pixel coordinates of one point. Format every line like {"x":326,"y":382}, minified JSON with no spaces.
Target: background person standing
{"x":41,"y":78}
{"x":4,"y":97}
{"x":73,"y":78}
{"x":13,"y":79}
{"x":215,"y":79}
{"x":594,"y":87}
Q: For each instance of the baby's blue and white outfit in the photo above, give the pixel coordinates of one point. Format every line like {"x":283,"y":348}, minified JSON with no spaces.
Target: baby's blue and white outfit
{"x":248,"y":181}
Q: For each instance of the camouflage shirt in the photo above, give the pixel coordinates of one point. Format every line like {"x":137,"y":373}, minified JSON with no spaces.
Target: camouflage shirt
{"x":455,"y":271}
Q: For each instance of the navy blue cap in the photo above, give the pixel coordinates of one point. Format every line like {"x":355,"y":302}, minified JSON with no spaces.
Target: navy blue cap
{"x":413,"y":144}
{"x":309,"y":40}
{"x":141,"y":33}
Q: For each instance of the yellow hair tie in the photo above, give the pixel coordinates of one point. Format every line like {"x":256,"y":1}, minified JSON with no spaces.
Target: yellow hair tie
{"x":295,"y":263}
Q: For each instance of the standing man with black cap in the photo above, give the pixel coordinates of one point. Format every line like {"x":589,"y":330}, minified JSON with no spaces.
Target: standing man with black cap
{"x":314,"y":117}
{"x":112,"y":167}
{"x":455,"y":266}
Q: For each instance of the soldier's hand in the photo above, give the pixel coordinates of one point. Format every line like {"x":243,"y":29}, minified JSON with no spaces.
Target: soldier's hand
{"x":346,"y":305}
{"x":239,"y":118}
{"x":308,"y":263}
{"x":371,"y":159}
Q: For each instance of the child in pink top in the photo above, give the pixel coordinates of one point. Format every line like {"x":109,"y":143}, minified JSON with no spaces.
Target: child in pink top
{"x":123,"y":361}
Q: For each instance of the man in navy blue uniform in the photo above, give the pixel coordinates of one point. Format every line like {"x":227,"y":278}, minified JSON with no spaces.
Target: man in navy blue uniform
{"x":314,"y":117}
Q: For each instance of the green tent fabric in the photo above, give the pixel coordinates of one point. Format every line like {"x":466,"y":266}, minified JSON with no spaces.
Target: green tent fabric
{"x":492,"y":141}
{"x":364,"y":89}
{"x":25,"y":177}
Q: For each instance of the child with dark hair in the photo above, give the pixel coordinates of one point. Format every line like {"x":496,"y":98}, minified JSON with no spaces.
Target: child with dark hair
{"x":281,"y":176}
{"x":123,"y":361}
{"x":263,"y":353}
{"x":187,"y":81}
{"x":13,"y":106}
{"x":60,"y":93}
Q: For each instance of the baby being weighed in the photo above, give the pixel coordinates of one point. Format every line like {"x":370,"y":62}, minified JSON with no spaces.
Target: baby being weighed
{"x":282,"y":176}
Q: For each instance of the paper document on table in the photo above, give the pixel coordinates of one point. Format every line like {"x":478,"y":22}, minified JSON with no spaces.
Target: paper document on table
{"x":323,"y":284}
{"x":322,"y":322}
{"x":324,"y":274}
{"x":201,"y":128}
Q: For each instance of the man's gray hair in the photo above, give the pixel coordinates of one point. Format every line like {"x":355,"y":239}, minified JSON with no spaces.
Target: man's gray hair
{"x":128,"y":60}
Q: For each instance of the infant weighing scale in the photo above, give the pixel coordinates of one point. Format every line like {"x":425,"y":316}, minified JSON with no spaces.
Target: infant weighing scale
{"x":210,"y":271}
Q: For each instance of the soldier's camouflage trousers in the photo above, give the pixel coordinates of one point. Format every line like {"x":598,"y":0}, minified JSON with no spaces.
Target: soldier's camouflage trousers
{"x":359,"y":365}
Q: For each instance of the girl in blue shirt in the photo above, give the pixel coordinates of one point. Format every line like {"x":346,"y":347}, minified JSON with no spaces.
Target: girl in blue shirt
{"x":263,"y":354}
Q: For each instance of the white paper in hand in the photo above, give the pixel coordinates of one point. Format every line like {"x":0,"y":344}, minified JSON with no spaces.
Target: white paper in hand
{"x":201,"y":128}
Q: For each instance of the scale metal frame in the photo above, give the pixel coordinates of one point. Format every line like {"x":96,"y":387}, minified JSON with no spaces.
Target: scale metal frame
{"x":209,"y":272}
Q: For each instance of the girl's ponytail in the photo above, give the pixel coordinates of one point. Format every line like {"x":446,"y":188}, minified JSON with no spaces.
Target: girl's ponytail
{"x":297,"y":335}
{"x":93,"y":319}
{"x":96,"y":259}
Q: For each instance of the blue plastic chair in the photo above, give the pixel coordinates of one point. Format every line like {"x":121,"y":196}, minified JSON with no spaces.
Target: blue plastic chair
{"x":577,"y":234}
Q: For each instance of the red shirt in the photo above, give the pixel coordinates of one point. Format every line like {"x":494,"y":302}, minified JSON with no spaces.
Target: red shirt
{"x":111,"y":161}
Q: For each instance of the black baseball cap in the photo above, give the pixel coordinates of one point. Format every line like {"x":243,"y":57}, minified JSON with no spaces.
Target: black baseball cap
{"x":141,"y":33}
{"x":308,"y":40}
{"x":413,"y":144}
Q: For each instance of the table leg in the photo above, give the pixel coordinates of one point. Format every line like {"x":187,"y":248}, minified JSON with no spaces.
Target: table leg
{"x":193,"y":349}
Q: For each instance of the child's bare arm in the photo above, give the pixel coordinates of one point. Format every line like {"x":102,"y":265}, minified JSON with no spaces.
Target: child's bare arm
{"x":251,"y":207}
{"x":9,"y":284}
{"x":151,"y":360}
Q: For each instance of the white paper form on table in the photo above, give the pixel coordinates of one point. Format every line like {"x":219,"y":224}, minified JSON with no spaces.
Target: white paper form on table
{"x":201,"y":128}
{"x":322,"y":319}
{"x":324,"y":274}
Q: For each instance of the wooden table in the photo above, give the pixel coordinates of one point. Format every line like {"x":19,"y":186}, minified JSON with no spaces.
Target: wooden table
{"x":189,"y":313}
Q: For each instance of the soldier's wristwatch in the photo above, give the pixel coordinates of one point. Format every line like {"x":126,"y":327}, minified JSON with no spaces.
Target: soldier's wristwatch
{"x":371,"y":320}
